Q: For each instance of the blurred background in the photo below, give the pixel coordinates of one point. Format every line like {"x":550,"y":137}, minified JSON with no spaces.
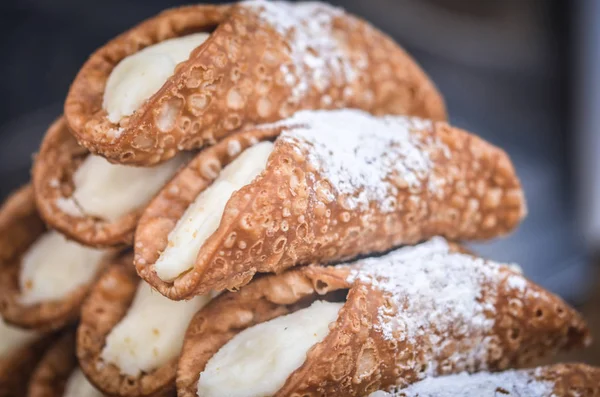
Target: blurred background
{"x":524,"y":74}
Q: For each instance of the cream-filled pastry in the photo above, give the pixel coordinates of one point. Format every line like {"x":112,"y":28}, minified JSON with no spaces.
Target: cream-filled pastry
{"x":130,"y":336}
{"x":151,"y":333}
{"x":203,"y":216}
{"x":265,"y":342}
{"x":89,"y":199}
{"x":44,"y":276}
{"x":336,"y":185}
{"x":258,"y":360}
{"x":252,"y":62}
{"x":53,"y":267}
{"x":139,"y":76}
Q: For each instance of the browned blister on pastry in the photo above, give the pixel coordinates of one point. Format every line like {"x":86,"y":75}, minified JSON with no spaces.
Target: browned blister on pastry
{"x":88,"y":199}
{"x":415,"y":312}
{"x":42,"y":284}
{"x":20,"y":350}
{"x":334,"y":185}
{"x":112,"y":335}
{"x":559,"y":380}
{"x":259,"y":62}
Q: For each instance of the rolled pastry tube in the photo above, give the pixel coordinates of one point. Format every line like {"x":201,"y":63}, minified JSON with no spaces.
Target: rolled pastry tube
{"x":369,"y":325}
{"x":58,"y":375}
{"x":190,"y":76}
{"x":130,"y":336}
{"x":559,"y":380}
{"x":333,"y":185}
{"x":20,"y":349}
{"x":43,"y":276}
{"x":85,"y":197}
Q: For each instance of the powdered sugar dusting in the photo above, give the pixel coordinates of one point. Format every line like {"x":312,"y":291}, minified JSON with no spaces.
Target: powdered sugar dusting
{"x":508,"y":383}
{"x":364,"y":157}
{"x":316,"y":58}
{"x":439,"y":298}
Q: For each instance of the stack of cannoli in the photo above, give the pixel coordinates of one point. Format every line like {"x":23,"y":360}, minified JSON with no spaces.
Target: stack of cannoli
{"x":263,"y":199}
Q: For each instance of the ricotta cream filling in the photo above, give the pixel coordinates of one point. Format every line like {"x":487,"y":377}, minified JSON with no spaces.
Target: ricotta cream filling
{"x":109,"y":191}
{"x":139,"y":76}
{"x":151,"y":333}
{"x":203,"y":216}
{"x":13,"y":338}
{"x":257,"y":361}
{"x":79,"y":386}
{"x":53,"y":267}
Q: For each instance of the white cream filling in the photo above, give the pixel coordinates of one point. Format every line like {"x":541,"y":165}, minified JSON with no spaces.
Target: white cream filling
{"x":79,"y":386}
{"x":203,"y":216}
{"x":54,"y":266}
{"x":139,"y":76}
{"x":151,"y":333}
{"x":258,"y":360}
{"x":109,"y":191}
{"x":13,"y":338}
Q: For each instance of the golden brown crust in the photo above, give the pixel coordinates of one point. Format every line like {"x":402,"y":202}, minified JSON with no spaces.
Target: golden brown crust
{"x":21,"y":226}
{"x":52,"y":373}
{"x":52,"y":177}
{"x":355,"y":358}
{"x":16,"y":368}
{"x":234,"y":79}
{"x":571,"y":379}
{"x":106,"y":305}
{"x":293,"y":222}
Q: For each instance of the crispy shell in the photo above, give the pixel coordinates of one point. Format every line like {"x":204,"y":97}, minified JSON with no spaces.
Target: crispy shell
{"x":235,"y":79}
{"x":559,"y":380}
{"x":52,"y":373}
{"x":106,"y":305}
{"x":355,"y":358}
{"x":17,"y":368}
{"x":59,"y":157}
{"x":20,"y":227}
{"x":283,"y":218}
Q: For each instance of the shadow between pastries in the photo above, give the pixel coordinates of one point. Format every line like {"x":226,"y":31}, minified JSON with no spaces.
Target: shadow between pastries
{"x":482,"y":315}
{"x":214,"y":69}
{"x":43,"y":276}
{"x":332,"y":186}
{"x":93,"y":202}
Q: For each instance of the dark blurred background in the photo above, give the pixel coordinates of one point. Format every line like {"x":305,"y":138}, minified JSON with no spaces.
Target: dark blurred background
{"x":517,"y":72}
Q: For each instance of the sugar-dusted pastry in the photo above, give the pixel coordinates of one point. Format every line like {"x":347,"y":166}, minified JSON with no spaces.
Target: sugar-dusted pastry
{"x":130,"y":336}
{"x":20,"y":349}
{"x":560,"y":380}
{"x":349,"y":330}
{"x":89,"y":199}
{"x":58,"y":375}
{"x":333,"y":185}
{"x":191,"y":76}
{"x":43,"y":276}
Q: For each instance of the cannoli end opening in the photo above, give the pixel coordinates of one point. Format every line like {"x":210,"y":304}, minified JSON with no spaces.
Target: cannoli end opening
{"x":259,"y":360}
{"x":204,"y":215}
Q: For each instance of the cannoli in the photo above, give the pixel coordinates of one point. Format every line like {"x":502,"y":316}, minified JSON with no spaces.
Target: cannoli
{"x":333,"y":185}
{"x":560,"y":380}
{"x":19,"y":351}
{"x":89,"y":199}
{"x":414,"y":312}
{"x":130,"y":336}
{"x":43,"y":276}
{"x":57,"y":374}
{"x":191,"y":76}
